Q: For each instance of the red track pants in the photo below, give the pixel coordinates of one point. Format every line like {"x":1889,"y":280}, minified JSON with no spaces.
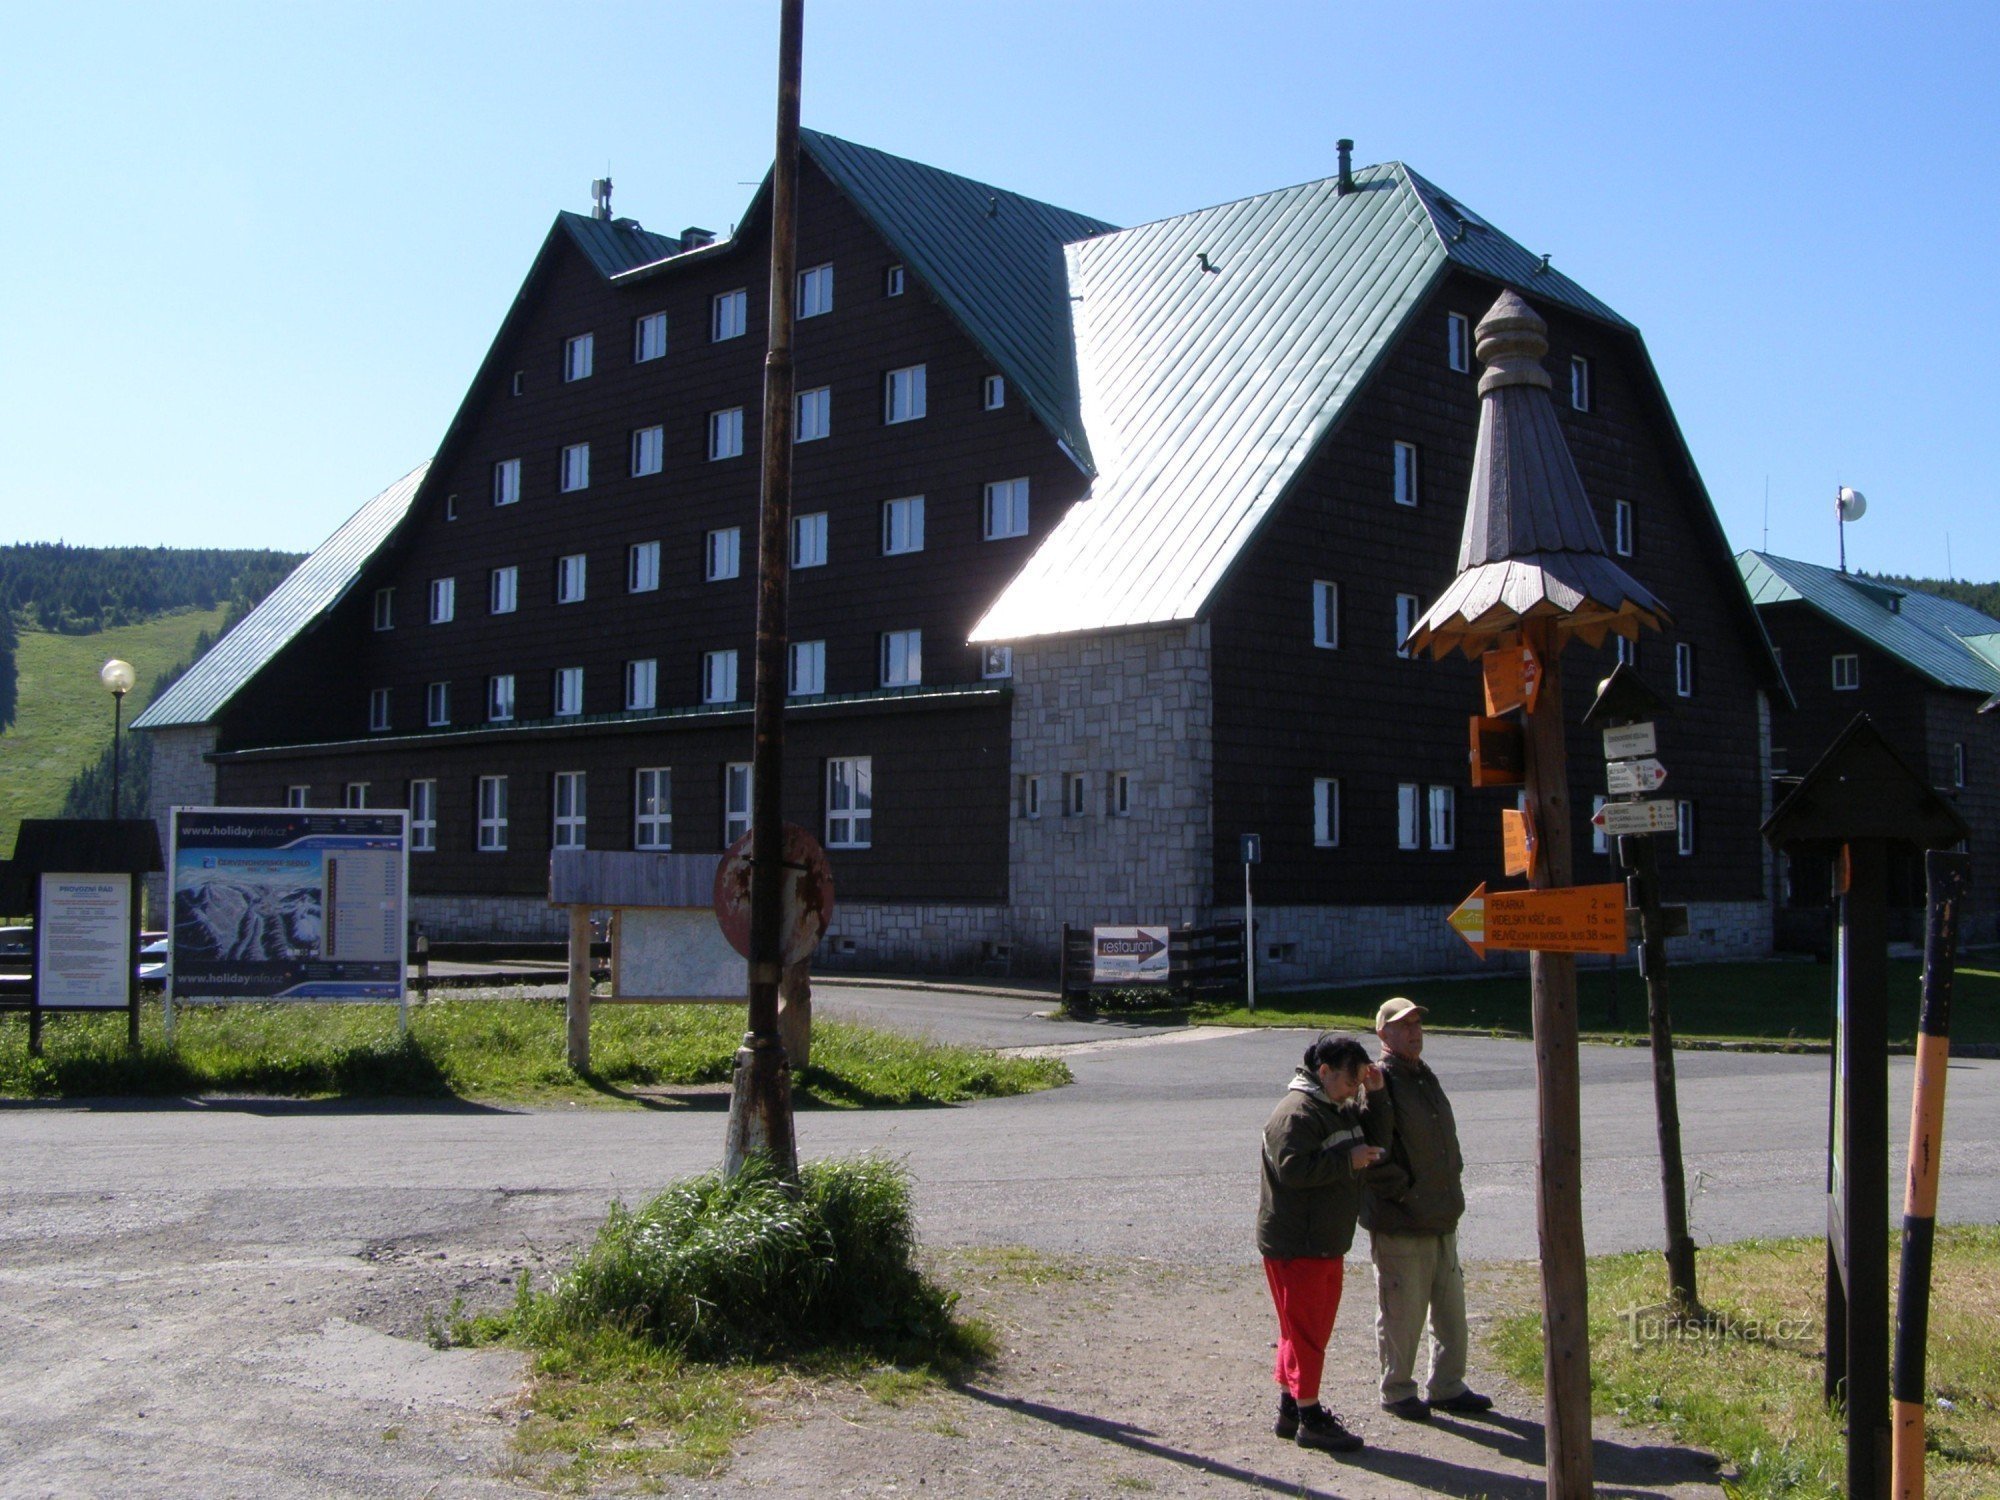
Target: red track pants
{"x":1306,"y":1291}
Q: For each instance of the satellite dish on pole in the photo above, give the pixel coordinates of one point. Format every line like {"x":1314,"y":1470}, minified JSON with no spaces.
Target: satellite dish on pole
{"x":1848,"y":505}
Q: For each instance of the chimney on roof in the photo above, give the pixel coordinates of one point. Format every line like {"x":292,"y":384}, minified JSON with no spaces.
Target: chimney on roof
{"x":693,"y":238}
{"x":600,"y":197}
{"x":1346,"y":149}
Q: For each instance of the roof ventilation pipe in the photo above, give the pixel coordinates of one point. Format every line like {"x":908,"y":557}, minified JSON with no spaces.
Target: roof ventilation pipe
{"x":1346,"y":149}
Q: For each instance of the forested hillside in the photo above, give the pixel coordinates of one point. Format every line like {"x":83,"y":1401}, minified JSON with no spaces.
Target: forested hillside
{"x":1984,"y":597}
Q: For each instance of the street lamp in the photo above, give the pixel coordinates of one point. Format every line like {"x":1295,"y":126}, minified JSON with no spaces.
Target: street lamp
{"x":117,"y":677}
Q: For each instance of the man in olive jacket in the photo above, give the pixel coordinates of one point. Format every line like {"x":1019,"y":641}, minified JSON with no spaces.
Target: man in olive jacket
{"x":1411,"y":1205}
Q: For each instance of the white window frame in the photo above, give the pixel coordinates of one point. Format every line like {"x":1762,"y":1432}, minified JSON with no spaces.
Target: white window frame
{"x":444,"y":600}
{"x":642,"y":683}
{"x":1076,"y":794}
{"x":1684,"y":829}
{"x":572,"y":577}
{"x":492,"y":815}
{"x":1458,"y":342}
{"x":1409,"y":815}
{"x":1408,"y":609}
{"x":298,"y":796}
{"x":812,"y":415}
{"x":566,"y":693}
{"x":738,"y":792}
{"x":423,"y":816}
{"x":649,"y":451}
{"x":1442,"y":817}
{"x":996,"y":662}
{"x":1684,"y":678}
{"x":500,"y":698}
{"x":1847,"y":681}
{"x":902,"y":658}
{"x":1580,"y":393}
{"x":437,"y":704}
{"x":649,"y":337}
{"x":809,"y":536}
{"x":1621,"y":527}
{"x":728,"y":315}
{"x":902,"y":525}
{"x":725,"y":434}
{"x":1124,"y":792}
{"x":503,"y":590}
{"x":385,"y":609}
{"x":724,"y":553}
{"x":805,"y":675}
{"x":575,"y":468}
{"x":850,"y":802}
{"x":1326,"y":812}
{"x":1408,"y":474}
{"x":816,"y":290}
{"x":569,"y":810}
{"x":993,"y":394}
{"x":1006,"y":509}
{"x":580,"y":357}
{"x":1625,"y":651}
{"x":378,"y":710}
{"x":718,"y":676}
{"x":653,"y":807}
{"x":356,"y":795}
{"x":642,"y":568}
{"x":892,"y":281}
{"x":507,"y":481}
{"x":904,"y":396}
{"x":1326,"y":614}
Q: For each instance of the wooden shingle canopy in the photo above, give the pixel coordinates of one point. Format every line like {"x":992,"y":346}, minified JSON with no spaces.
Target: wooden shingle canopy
{"x":1862,"y":789}
{"x":1531,"y":549}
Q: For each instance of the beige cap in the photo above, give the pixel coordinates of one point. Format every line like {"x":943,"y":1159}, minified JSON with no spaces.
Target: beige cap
{"x":1395,"y":1008}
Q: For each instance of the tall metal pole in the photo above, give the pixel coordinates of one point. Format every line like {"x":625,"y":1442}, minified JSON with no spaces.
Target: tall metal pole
{"x":760,"y":1111}
{"x":117,"y":717}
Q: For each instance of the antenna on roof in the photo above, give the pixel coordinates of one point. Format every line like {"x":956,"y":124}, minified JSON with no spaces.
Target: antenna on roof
{"x":1767,"y":513}
{"x":600,"y":197}
{"x":1848,"y":505}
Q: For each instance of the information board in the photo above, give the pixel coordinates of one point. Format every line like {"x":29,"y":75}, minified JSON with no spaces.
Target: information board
{"x":1128,"y":955}
{"x":288,"y":903}
{"x":83,"y":941}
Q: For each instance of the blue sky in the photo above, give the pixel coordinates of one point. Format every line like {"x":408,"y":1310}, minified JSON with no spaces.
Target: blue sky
{"x":255,"y":252}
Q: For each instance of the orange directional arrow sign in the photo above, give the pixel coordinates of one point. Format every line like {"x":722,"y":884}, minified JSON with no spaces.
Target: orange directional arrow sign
{"x":1568,"y":919}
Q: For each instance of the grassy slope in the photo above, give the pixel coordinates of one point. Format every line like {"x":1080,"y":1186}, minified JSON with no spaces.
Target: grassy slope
{"x":64,"y":716}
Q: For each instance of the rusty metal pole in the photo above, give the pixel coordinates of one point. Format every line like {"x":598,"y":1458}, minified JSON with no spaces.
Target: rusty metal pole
{"x":1640,"y":857}
{"x":1559,"y":1174}
{"x":760,"y":1109}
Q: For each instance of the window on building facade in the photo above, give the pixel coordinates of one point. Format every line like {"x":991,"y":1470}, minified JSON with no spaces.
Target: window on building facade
{"x":903,"y":525}
{"x":567,"y":694}
{"x":1958,"y":764}
{"x":725,"y":433}
{"x":567,"y":829}
{"x":1625,"y":651}
{"x":507,"y":481}
{"x":1579,"y":382}
{"x":996,"y":662}
{"x":892,"y":281}
{"x":994,"y":395}
{"x":444,"y":600}
{"x":1458,"y":341}
{"x":437,"y":704}
{"x":572,"y":577}
{"x":1684,"y":826}
{"x":649,"y":451}
{"x":850,"y":802}
{"x":298,"y":796}
{"x":451,"y":507}
{"x":357,"y":794}
{"x":378,"y":709}
{"x":1684,"y":668}
{"x":1326,"y":812}
{"x":642,"y":568}
{"x":1006,"y":509}
{"x":725,"y":553}
{"x":580,"y":357}
{"x":652,"y":808}
{"x":1076,"y":794}
{"x":1621,"y":527}
{"x":1847,"y":671}
{"x":503,"y":590}
{"x":1406,"y":621}
{"x":385,"y":609}
{"x":423,"y":816}
{"x":809,"y":540}
{"x":807,"y":675}
{"x":576,"y":467}
{"x":903,"y":394}
{"x":518,"y":386}
{"x":1406,"y":473}
{"x":1444,"y":817}
{"x":729,"y":316}
{"x":902,"y":658}
{"x":1326,"y":614}
{"x":1031,"y":796}
{"x":492,"y":814}
{"x":642,"y":682}
{"x":813,"y":417}
{"x":736,"y":781}
{"x":1409,"y":816}
{"x":1123,"y":792}
{"x":500,"y":698}
{"x":815,"y":291}
{"x":649,"y":337}
{"x":718,"y":677}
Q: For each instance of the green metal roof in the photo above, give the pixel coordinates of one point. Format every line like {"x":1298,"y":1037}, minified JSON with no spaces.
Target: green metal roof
{"x":1950,"y":643}
{"x":616,"y":245}
{"x":309,"y":591}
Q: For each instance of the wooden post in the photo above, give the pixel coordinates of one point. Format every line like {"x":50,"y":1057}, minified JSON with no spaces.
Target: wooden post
{"x":1559,"y":1177}
{"x":795,"y":1013}
{"x":578,"y":1013}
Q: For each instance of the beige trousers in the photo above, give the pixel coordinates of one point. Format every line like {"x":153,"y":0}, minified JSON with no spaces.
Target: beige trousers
{"x":1417,"y":1278}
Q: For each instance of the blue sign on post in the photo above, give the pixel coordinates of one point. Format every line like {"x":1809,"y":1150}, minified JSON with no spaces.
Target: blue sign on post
{"x":1253,"y":848}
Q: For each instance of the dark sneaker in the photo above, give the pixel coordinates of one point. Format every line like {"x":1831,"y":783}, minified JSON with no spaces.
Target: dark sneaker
{"x":1287,"y":1424}
{"x":1410,"y":1409}
{"x":1320,"y":1428}
{"x":1466,"y":1401}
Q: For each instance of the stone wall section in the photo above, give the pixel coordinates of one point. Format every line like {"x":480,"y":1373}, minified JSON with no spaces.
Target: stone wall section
{"x":180,"y":777}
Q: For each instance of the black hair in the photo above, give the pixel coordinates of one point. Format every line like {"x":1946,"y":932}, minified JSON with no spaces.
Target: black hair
{"x":1337,"y":1050}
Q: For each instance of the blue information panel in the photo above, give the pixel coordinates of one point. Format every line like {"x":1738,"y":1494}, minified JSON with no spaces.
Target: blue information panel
{"x":288,"y":904}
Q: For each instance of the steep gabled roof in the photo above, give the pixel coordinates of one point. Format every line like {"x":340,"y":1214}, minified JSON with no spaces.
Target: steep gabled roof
{"x":308,"y":592}
{"x":1950,"y":643}
{"x":615,"y":246}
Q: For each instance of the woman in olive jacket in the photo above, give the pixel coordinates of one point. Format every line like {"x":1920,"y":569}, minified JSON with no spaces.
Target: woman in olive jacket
{"x":1314,"y":1161}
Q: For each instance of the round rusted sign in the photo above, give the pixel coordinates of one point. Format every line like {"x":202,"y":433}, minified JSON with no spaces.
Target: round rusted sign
{"x":807,"y":901}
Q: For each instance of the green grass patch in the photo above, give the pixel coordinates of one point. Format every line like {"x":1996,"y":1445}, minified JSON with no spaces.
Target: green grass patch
{"x":1747,"y":1384}
{"x":493,"y":1050}
{"x":1779,"y":1001}
{"x":63,"y":718}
